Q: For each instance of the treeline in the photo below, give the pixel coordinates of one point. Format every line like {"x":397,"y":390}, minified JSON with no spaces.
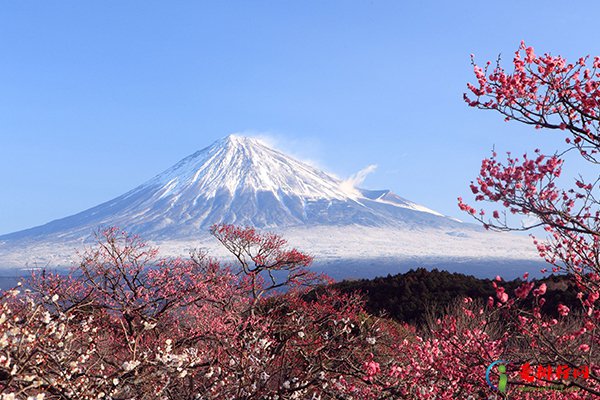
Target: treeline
{"x":410,"y":296}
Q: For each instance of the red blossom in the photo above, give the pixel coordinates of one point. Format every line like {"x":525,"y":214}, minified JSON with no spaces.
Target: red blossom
{"x":547,"y":92}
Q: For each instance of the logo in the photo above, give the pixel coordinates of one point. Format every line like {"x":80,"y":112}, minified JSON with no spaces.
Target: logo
{"x":502,"y":378}
{"x":536,"y":378}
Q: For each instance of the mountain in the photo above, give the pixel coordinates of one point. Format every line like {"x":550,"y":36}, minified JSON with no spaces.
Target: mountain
{"x":241,"y":180}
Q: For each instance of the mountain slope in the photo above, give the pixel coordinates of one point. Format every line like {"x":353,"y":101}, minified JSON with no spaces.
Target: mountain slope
{"x":242,"y":181}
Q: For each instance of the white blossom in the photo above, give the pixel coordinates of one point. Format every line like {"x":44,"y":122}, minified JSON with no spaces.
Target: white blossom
{"x":130,"y":365}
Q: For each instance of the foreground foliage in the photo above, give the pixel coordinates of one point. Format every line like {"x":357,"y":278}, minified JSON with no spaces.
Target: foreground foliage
{"x":549,"y":93}
{"x":128,"y":325}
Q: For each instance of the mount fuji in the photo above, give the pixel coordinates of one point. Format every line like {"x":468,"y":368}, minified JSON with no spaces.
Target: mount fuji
{"x":241,"y":180}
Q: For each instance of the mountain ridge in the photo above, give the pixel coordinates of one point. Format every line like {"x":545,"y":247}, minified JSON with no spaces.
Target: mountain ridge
{"x":242,"y":181}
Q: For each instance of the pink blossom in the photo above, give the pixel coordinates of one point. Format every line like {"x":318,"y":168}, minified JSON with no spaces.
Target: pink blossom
{"x":540,"y":291}
{"x":563,"y":310}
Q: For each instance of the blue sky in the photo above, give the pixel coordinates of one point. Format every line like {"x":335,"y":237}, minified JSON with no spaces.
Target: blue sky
{"x":97,"y":97}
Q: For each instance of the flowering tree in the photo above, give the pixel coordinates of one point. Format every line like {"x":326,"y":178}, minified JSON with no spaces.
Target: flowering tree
{"x":264,"y":262}
{"x":549,"y":93}
{"x":126,"y":324}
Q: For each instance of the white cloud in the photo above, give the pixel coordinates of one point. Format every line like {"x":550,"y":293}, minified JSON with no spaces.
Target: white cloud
{"x":353,"y":182}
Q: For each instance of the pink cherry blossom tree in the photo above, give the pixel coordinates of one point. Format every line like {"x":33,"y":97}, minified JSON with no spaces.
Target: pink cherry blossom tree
{"x":126,"y":324}
{"x":547,"y":92}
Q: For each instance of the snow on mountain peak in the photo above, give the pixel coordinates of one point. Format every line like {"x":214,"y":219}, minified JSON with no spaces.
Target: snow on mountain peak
{"x":240,"y":180}
{"x":241,"y":164}
{"x":243,"y":181}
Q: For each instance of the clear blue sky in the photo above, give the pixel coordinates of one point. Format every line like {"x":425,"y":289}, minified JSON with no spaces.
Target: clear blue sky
{"x":98,"y":96}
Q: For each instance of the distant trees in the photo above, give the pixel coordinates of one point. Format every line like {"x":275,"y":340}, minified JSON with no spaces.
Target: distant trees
{"x":412,"y":296}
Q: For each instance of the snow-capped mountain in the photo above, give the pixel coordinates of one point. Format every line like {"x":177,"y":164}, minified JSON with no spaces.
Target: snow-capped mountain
{"x":241,"y":180}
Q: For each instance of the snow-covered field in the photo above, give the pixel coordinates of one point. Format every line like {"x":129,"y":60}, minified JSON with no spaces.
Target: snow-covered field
{"x":359,"y":251}
{"x":241,"y":180}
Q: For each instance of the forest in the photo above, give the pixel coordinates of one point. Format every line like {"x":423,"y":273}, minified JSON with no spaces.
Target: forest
{"x":414,"y":296}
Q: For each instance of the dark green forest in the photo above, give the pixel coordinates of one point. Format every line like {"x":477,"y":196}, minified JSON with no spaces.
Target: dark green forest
{"x":410,"y":296}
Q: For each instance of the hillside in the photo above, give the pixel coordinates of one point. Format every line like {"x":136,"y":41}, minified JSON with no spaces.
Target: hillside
{"x":410,"y":296}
